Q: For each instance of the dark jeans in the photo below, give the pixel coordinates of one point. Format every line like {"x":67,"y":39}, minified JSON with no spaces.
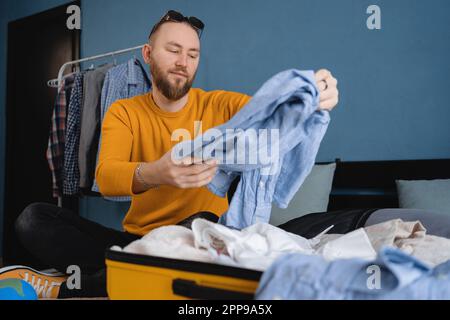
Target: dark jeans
{"x":60,"y":238}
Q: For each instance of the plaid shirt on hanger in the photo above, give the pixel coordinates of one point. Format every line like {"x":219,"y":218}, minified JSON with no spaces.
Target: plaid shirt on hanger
{"x":71,"y":184}
{"x":57,"y":136}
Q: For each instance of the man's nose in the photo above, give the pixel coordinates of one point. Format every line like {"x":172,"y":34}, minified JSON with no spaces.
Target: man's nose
{"x":181,"y":61}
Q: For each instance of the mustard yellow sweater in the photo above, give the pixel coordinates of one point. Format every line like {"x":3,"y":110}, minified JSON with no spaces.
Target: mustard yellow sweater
{"x":136,"y":130}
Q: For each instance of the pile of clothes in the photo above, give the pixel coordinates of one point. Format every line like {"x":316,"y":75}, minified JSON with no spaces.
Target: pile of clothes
{"x":390,"y":260}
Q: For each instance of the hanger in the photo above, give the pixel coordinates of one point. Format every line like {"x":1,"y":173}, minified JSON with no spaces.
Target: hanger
{"x":55,"y":82}
{"x":114,"y":59}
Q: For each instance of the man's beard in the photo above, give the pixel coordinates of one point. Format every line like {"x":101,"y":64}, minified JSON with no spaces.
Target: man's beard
{"x":170,"y":91}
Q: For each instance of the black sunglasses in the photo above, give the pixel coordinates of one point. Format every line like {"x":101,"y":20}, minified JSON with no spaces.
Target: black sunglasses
{"x":175,"y":16}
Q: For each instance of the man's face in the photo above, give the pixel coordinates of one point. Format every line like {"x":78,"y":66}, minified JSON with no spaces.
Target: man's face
{"x":174,"y":59}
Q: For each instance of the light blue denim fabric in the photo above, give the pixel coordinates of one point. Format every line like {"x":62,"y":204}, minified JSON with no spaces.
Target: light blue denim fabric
{"x":288,"y":102}
{"x":123,"y":81}
{"x":402,"y":277}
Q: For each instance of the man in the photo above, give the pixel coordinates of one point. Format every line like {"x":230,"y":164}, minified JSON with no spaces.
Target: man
{"x":135,"y":160}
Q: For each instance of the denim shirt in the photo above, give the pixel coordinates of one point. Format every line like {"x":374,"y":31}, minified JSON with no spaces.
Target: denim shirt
{"x":286,"y":105}
{"x":393,"y":275}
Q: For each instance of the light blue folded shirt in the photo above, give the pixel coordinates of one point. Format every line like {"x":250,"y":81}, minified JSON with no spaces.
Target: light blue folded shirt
{"x":401,"y":277}
{"x":286,"y":104}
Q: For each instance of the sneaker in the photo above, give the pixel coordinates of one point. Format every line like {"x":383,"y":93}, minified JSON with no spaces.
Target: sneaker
{"x":46,"y":285}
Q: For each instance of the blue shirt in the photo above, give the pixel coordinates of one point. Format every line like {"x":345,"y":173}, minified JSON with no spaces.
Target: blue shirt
{"x":400,"y":277}
{"x":123,"y":81}
{"x":288,"y":104}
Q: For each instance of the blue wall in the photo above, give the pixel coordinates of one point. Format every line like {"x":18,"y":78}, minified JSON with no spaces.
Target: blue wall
{"x":393,"y":82}
{"x":394,"y":101}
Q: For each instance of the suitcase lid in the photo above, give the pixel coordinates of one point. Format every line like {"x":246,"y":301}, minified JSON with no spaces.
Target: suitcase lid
{"x":184,"y":265}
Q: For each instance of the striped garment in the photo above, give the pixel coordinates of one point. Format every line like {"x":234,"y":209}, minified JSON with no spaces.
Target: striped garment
{"x":57,"y":136}
{"x":71,"y":184}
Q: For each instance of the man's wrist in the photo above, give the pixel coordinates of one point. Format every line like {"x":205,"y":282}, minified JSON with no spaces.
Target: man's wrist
{"x":146,"y":174}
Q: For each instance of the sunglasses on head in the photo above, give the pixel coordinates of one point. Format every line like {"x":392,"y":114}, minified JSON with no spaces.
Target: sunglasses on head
{"x":175,"y":16}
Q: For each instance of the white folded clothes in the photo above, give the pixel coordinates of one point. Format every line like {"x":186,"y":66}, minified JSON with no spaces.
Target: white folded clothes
{"x":170,"y":242}
{"x":255,"y":247}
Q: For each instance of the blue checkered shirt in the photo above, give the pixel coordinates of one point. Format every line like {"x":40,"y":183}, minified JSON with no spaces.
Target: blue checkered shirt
{"x":123,"y":81}
{"x":71,"y":184}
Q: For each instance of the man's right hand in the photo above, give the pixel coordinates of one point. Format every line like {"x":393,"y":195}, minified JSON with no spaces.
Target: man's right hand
{"x":186,"y":173}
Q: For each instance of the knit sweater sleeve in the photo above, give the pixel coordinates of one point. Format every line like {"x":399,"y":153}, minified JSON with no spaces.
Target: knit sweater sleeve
{"x":115,"y":170}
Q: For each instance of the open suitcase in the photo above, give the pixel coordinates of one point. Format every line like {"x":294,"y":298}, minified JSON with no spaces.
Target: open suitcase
{"x":132,"y":276}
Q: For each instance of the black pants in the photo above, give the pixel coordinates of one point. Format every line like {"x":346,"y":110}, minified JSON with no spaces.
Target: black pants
{"x":60,"y":238}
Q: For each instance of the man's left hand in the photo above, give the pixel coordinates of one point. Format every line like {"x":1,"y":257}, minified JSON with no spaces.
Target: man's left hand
{"x":328,"y":92}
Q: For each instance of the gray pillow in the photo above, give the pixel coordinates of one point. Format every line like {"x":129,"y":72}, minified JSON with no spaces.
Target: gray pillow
{"x":424,"y":194}
{"x":313,"y":195}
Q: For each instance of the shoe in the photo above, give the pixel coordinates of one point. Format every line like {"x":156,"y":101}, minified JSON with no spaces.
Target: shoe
{"x":46,"y":285}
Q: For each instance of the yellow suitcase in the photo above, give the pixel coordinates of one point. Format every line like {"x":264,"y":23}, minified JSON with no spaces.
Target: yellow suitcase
{"x":132,"y":276}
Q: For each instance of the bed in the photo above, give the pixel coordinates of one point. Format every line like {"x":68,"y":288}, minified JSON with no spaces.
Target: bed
{"x":371,"y":184}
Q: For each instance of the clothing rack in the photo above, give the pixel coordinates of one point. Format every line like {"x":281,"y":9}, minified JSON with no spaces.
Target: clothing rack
{"x":55,"y":83}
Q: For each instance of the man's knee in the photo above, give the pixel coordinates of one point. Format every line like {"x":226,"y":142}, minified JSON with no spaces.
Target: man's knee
{"x":29,"y":219}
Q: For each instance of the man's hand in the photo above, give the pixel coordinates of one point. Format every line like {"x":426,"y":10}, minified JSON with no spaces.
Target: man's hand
{"x":186,"y":173}
{"x":329,"y":94}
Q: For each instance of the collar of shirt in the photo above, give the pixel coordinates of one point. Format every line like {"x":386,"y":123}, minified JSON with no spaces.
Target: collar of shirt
{"x":136,"y":72}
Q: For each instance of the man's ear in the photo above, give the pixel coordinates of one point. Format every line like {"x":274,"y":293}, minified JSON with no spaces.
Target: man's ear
{"x":146,"y":51}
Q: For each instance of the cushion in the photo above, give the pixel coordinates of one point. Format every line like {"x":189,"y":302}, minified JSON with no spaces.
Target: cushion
{"x":313,"y":195}
{"x":424,"y":194}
